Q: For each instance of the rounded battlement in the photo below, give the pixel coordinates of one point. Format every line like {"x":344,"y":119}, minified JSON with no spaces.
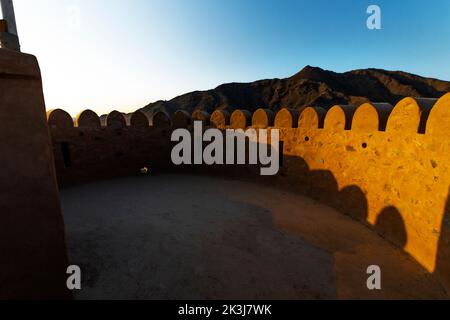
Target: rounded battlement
{"x":87,"y":119}
{"x":410,"y":116}
{"x":339,"y":118}
{"x":371,"y":117}
{"x":116,"y":120}
{"x":220,"y":119}
{"x":287,"y":118}
{"x":312,"y":118}
{"x":59,"y":119}
{"x":202,"y":116}
{"x":161,"y":120}
{"x":263,"y":118}
{"x":139,"y":120}
{"x":241,"y":119}
{"x":438,"y":123}
{"x":181,"y":119}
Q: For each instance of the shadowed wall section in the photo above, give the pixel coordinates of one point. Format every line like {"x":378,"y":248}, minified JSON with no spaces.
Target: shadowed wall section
{"x":33,"y":258}
{"x":385,"y":166}
{"x":90,"y":151}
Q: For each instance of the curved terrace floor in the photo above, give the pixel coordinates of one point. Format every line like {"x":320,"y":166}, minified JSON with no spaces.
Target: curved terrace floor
{"x":195,"y":237}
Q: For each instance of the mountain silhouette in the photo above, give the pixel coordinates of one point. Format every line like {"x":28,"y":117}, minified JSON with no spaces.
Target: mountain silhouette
{"x":312,"y":86}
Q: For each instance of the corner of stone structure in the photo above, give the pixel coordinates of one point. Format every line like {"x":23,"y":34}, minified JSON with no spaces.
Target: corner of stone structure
{"x":34,"y":259}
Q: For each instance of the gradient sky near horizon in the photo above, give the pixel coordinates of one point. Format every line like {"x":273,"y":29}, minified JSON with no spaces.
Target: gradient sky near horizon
{"x":123,"y":54}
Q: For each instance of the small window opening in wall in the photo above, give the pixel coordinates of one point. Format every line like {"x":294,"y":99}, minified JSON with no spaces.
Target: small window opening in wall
{"x":65,"y":149}
{"x":364,"y":145}
{"x":307,"y":139}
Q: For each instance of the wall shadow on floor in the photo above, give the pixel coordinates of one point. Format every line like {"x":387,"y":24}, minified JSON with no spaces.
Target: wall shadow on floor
{"x":443,"y":255}
{"x":351,"y":200}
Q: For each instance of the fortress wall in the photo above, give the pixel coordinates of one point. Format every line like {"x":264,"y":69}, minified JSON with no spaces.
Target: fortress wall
{"x":385,"y":166}
{"x":87,"y":151}
{"x":397,"y":181}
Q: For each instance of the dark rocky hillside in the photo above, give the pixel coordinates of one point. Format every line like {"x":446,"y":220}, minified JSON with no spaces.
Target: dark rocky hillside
{"x":310,"y":87}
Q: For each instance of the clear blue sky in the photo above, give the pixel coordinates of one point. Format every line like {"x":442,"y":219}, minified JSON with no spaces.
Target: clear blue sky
{"x":111,"y":54}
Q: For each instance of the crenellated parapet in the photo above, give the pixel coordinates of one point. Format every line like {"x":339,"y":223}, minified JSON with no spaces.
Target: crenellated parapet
{"x":395,"y":159}
{"x":386,"y":166}
{"x":91,"y":147}
{"x":408,"y":116}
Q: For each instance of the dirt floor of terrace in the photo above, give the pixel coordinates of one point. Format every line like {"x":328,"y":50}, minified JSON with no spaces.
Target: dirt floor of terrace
{"x":195,"y":237}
